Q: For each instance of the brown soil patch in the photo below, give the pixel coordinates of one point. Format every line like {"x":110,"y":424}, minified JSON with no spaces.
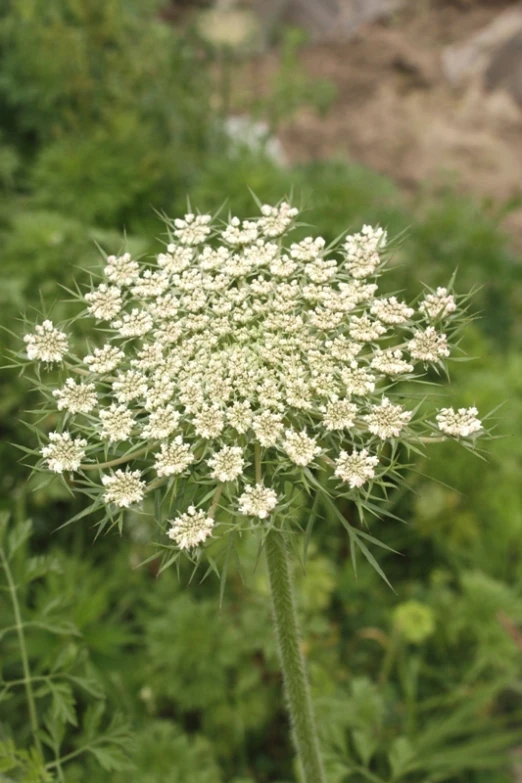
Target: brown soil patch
{"x":395,"y":110}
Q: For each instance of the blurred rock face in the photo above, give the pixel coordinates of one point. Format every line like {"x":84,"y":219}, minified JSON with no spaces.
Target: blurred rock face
{"x":492,"y":57}
{"x":323,"y":18}
{"x":505,"y":69}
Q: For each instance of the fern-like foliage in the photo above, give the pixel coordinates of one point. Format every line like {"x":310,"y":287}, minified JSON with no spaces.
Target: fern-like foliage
{"x":49,"y":688}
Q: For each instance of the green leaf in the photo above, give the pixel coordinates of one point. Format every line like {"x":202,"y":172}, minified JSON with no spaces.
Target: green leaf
{"x":63,"y":702}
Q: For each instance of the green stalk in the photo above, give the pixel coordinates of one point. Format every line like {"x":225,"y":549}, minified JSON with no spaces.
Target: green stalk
{"x":297,"y":690}
{"x":33,"y":716}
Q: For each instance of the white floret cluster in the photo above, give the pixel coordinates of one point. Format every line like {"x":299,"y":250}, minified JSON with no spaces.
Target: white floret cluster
{"x":460,"y":423}
{"x":235,"y":342}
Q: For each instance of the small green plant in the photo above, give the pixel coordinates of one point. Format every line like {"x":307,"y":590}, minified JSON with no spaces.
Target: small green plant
{"x":46,"y":669}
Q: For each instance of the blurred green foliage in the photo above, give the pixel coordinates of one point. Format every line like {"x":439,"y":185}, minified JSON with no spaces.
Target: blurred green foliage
{"x":108,"y":114}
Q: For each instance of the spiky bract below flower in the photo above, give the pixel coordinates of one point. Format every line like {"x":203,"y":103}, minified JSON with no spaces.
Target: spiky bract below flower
{"x":239,"y":352}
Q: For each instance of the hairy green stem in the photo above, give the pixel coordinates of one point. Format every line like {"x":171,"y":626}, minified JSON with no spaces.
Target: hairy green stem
{"x":118,"y":461}
{"x":292,"y":661}
{"x":33,"y":715}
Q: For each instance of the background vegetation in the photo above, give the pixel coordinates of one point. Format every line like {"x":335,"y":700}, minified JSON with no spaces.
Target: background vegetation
{"x":108,"y":114}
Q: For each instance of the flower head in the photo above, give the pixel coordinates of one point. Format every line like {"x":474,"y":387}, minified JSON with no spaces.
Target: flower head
{"x":117,"y":422}
{"x":227,"y":463}
{"x":105,"y":302}
{"x":356,"y":468}
{"x":193,"y":230}
{"x":257,"y":501}
{"x":428,"y":345}
{"x":300,"y":447}
{"x":104,"y":359}
{"x":439,"y":304}
{"x":64,"y":452}
{"x":76,"y":397}
{"x":47,"y":344}
{"x":173,"y":458}
{"x":387,"y":420}
{"x":122,"y":270}
{"x":191,"y":529}
{"x":460,"y":423}
{"x":362,"y":251}
{"x":239,"y":352}
{"x":124,"y":488}
{"x":339,"y":415}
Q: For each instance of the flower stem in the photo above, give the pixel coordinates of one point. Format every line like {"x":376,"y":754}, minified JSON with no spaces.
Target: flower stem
{"x":292,"y":661}
{"x":27,"y":680}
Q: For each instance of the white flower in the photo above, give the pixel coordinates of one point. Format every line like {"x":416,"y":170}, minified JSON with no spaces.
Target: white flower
{"x":300,"y":447}
{"x":175,"y":457}
{"x":357,"y":380}
{"x":429,"y":345}
{"x":149,"y":357}
{"x":240,"y":233}
{"x":359,"y":291}
{"x":176,"y":260}
{"x":122,"y":270}
{"x":268,"y":427}
{"x":104,"y":302}
{"x":64,"y":452}
{"x":325,"y":319}
{"x":307,"y":250}
{"x":209,"y":422}
{"x":227,"y":463}
{"x":124,"y":488}
{"x":130,"y":385}
{"x":387,"y":420}
{"x":117,"y":423}
{"x":460,"y":423}
{"x":362,"y":251}
{"x":191,"y":529}
{"x":104,"y":359}
{"x":162,"y":422}
{"x":213,"y":258}
{"x":438,"y":304}
{"x":134,"y":324}
{"x":283,"y":266}
{"x":236,"y":335}
{"x":76,"y":397}
{"x":193,"y":230}
{"x":365,"y":330}
{"x":150,"y":284}
{"x":239,"y":416}
{"x":343,"y":349}
{"x":257,"y":501}
{"x":391,"y":311}
{"x":339,"y":415}
{"x":276,"y":220}
{"x":169,"y":333}
{"x":356,"y":468}
{"x":47,"y":344}
{"x":390,"y":363}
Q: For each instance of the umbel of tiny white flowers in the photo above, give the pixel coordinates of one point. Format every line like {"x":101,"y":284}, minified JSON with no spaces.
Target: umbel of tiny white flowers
{"x":236,"y":358}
